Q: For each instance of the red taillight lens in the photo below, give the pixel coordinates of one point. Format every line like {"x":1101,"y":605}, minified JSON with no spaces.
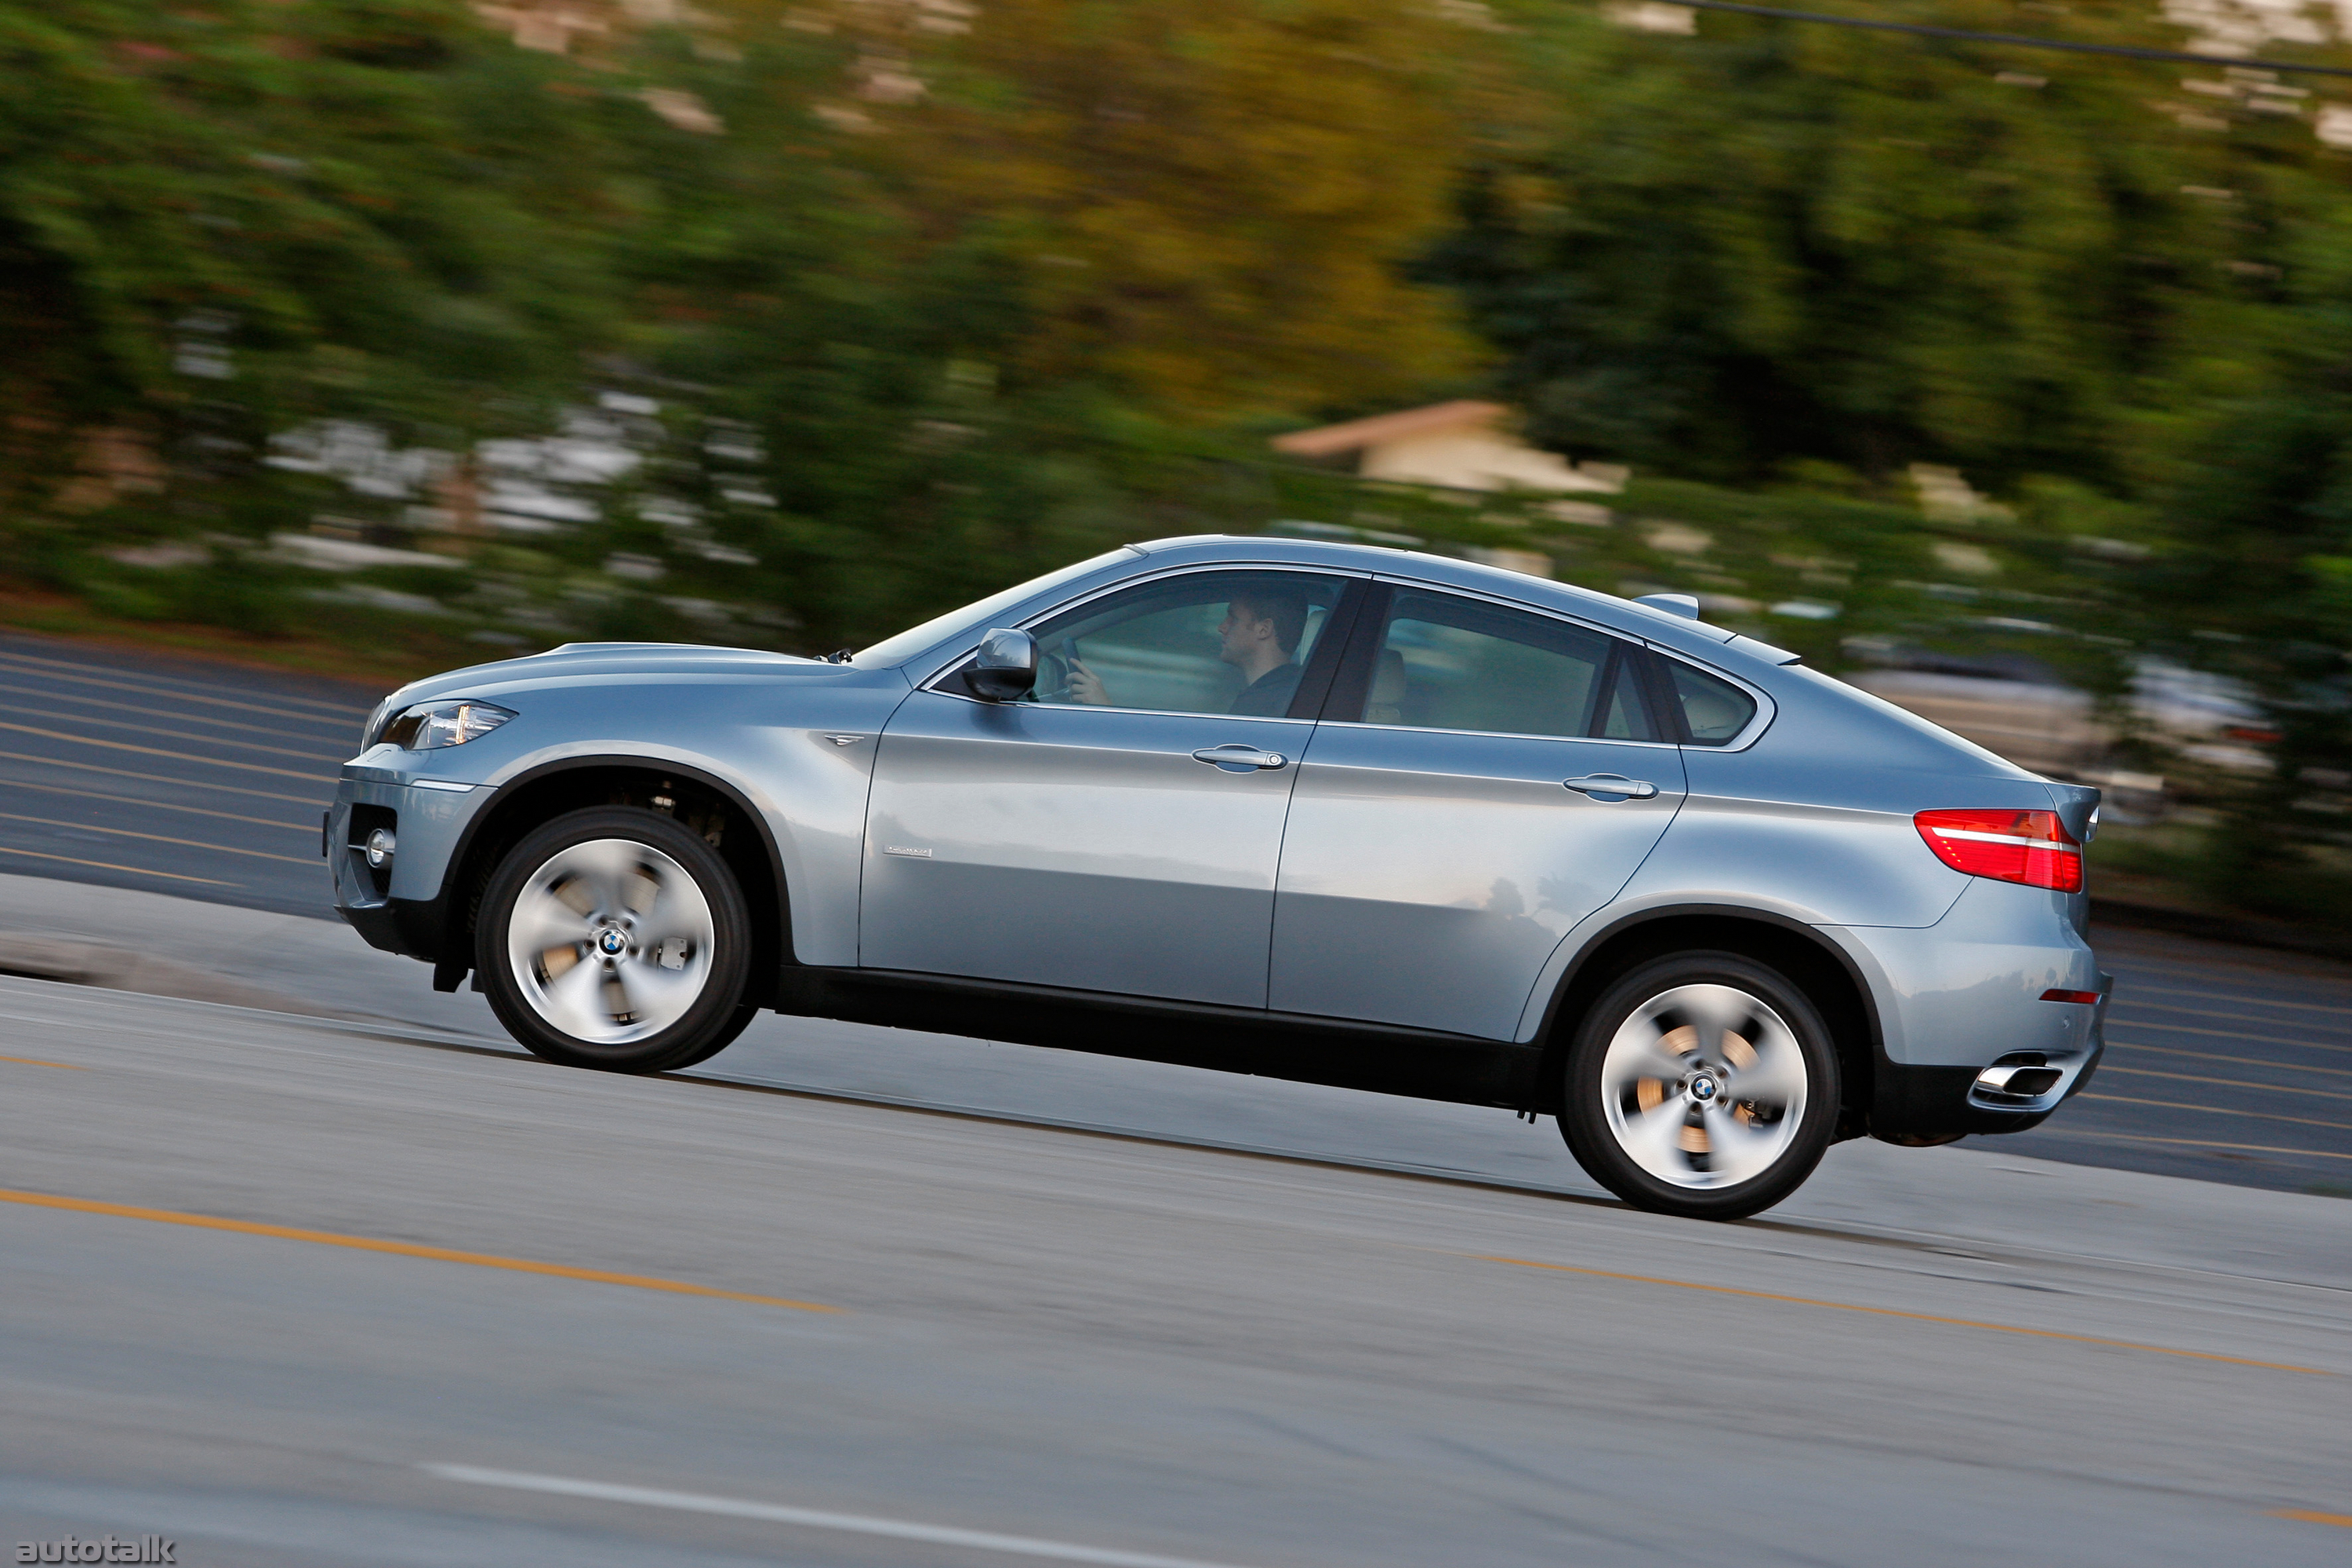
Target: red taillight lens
{"x":2028,"y":846}
{"x":2081,"y":998}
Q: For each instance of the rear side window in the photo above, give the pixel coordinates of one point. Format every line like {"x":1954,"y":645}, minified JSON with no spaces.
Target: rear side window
{"x":1713,"y":710}
{"x":1623,"y":715}
{"x":1445,"y":663}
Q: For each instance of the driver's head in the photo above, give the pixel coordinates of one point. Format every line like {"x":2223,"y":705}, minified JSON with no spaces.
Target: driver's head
{"x":1259,"y":621}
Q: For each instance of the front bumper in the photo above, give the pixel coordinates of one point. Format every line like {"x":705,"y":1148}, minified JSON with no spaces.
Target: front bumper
{"x":400,"y":907}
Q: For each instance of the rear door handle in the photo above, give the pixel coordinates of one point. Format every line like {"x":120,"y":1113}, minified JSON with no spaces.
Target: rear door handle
{"x":1237,"y":758}
{"x":1606,"y":783}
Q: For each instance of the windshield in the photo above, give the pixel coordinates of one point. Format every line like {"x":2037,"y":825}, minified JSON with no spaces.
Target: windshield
{"x":938,"y":628}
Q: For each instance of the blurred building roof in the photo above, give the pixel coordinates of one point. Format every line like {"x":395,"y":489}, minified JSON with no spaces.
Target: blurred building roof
{"x":1462,"y":445}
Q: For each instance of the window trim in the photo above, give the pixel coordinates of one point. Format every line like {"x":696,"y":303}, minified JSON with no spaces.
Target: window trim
{"x":1339,"y":631}
{"x":1354,"y":676}
{"x":1766,"y":708}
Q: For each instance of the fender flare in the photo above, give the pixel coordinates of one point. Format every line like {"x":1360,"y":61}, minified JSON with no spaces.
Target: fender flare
{"x":462,"y":852}
{"x":1549,"y":1039}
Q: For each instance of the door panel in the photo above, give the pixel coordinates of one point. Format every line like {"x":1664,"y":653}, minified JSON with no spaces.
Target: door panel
{"x":1094,"y":835}
{"x":1427,"y":879}
{"x":1078,"y":847}
{"x":1434,"y":857}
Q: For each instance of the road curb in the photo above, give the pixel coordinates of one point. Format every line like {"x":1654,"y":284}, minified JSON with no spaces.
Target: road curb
{"x":111,"y":968}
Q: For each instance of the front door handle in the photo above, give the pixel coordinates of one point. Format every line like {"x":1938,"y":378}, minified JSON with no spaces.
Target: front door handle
{"x":1607,"y":784}
{"x":1237,"y":758}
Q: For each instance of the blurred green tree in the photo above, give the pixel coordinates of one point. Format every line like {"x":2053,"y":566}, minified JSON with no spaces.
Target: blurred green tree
{"x":216,"y":222}
{"x":1771,"y":242}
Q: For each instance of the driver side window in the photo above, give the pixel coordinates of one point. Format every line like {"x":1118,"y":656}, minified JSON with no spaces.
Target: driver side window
{"x":1202,"y":642}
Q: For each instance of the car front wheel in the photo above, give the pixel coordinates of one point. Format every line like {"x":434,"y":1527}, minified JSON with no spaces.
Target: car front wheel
{"x":1703,"y":1085}
{"x":615,"y":938}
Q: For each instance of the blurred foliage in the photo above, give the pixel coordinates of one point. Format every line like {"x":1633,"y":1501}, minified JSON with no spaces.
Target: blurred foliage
{"x":1210,"y":199}
{"x":457,"y":327}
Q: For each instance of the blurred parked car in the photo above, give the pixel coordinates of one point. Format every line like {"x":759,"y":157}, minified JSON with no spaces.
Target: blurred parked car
{"x":2019,"y":709}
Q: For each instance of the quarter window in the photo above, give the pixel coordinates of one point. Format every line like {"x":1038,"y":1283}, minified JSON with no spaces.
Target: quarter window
{"x":1458,"y":664}
{"x":1714,"y":711}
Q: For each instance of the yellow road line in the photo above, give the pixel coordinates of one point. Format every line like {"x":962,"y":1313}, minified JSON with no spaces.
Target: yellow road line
{"x":32,"y":1062}
{"x":1898,"y":1312}
{"x":162,"y":751}
{"x":312,"y":799}
{"x":2222,"y":996}
{"x":2067,"y":1131}
{"x":2217,"y":1057}
{"x":2312,"y":1516}
{"x":111,"y":866}
{"x":2228,"y":1082}
{"x":2239,"y":1035}
{"x":310,"y":827}
{"x":64,"y":666}
{"x":399,"y":1249}
{"x":328,"y":755}
{"x":241,"y":721}
{"x":2218,"y":1110}
{"x":192,"y":843}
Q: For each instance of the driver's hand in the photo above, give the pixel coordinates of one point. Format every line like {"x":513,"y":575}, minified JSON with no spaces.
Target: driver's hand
{"x":1085,"y":686}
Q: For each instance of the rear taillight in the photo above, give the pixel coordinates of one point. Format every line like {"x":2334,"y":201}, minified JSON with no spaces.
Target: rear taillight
{"x":2028,"y":846}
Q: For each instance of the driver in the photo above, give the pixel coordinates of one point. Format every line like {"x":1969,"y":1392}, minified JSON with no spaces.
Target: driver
{"x":1259,"y":637}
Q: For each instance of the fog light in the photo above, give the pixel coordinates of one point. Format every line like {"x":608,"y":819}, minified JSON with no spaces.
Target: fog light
{"x":379,"y":845}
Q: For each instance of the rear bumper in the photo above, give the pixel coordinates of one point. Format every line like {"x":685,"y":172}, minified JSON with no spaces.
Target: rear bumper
{"x":1966,"y":1042}
{"x":1912,"y":1101}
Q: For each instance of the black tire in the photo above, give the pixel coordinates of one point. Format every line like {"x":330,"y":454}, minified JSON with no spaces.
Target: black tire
{"x":1654,"y":1108}
{"x":662,"y":962}
{"x":722,"y":1039}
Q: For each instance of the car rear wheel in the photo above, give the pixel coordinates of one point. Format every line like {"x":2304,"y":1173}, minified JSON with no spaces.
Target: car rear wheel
{"x":1703,"y":1085}
{"x":615,"y":938}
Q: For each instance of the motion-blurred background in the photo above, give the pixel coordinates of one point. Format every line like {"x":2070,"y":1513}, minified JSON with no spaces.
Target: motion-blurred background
{"x":374,"y":336}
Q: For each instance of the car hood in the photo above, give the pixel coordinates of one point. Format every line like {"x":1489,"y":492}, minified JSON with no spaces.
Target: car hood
{"x":601,"y":660}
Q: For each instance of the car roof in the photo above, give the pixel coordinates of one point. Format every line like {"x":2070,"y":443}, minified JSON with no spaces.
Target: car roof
{"x":1660,"y":626}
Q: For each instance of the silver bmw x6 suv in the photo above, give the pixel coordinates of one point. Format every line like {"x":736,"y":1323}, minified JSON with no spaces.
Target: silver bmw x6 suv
{"x":1319,"y":811}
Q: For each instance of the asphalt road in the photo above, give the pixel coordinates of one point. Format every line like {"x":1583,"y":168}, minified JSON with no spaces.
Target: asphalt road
{"x":136,"y":770}
{"x":290,"y":1293}
{"x":206,"y":781}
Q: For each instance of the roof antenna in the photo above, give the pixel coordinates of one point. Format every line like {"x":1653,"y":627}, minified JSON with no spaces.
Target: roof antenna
{"x":1683,"y":604}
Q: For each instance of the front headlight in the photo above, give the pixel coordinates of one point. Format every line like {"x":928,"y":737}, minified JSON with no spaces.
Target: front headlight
{"x":431,"y":725}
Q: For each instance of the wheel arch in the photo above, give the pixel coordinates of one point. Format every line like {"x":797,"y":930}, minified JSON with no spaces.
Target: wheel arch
{"x":570,"y":784}
{"x":1826,"y":972}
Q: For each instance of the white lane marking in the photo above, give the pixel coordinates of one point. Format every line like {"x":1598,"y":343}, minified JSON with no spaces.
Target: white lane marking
{"x":813,"y":1519}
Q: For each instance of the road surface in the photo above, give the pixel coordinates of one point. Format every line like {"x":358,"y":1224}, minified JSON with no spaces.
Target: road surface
{"x":293,"y":1292}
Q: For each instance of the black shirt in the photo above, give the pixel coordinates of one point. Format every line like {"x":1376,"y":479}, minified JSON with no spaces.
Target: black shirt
{"x":1268,"y":697}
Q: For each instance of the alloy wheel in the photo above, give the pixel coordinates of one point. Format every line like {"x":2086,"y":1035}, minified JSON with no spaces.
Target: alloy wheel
{"x":610,"y":941}
{"x":1704,"y":1086}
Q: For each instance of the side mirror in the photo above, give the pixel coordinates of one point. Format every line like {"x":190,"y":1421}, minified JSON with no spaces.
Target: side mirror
{"x":1006,"y":670}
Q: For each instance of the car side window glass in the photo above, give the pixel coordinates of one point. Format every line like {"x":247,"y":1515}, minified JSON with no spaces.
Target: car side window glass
{"x":1624,"y":716}
{"x":1445,"y":663}
{"x":1714,"y":711}
{"x":1202,"y":642}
